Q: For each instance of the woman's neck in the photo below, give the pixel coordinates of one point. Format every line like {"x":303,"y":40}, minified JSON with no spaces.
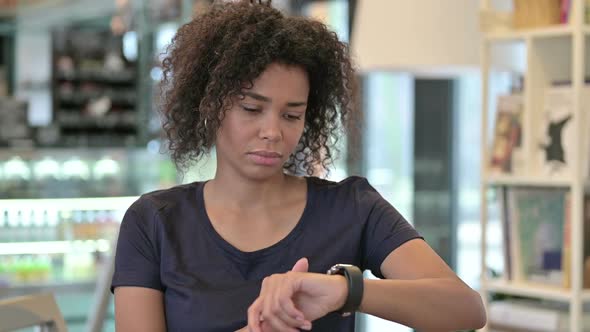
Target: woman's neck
{"x":238,"y":193}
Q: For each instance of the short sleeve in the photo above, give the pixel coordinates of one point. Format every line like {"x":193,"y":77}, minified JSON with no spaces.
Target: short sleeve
{"x":137,"y":261}
{"x":385,"y":229}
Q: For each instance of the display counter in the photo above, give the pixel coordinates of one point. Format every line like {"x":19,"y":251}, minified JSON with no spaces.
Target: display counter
{"x":60,"y":211}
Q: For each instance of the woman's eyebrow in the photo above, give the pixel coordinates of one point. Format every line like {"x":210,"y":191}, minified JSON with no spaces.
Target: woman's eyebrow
{"x":267,"y":99}
{"x":257,"y":96}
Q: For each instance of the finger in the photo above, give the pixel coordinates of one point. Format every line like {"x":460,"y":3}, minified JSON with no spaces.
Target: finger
{"x":283,"y":299}
{"x":254,"y":314}
{"x":292,"y":316}
{"x":276,"y":324}
{"x":289,"y":310}
{"x":296,"y":322}
{"x":302,"y":265}
{"x":267,"y":314}
{"x":271,"y":309}
{"x":276,"y":289}
{"x":266,"y":327}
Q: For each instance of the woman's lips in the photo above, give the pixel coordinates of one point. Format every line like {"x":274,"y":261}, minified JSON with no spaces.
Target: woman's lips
{"x":265,"y":158}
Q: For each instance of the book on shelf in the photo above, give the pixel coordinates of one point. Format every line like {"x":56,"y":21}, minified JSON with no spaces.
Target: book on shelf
{"x":566,"y":254}
{"x":531,"y":315}
{"x":506,"y":154}
{"x":565,"y":8}
{"x":555,"y":141}
{"x":536,"y":232}
{"x":586,"y":267}
{"x":536,"y":13}
{"x":506,"y":233}
{"x":537,"y":224}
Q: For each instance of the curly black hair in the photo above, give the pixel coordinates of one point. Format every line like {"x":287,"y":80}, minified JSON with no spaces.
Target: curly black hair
{"x":215,"y":56}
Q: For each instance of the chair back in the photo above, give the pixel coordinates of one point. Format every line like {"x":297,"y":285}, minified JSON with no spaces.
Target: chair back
{"x":39,"y":310}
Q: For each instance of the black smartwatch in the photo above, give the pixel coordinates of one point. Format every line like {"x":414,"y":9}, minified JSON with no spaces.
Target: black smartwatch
{"x":354,"y":279}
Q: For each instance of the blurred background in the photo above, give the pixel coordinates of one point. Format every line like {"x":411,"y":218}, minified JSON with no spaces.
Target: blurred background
{"x":80,"y":137}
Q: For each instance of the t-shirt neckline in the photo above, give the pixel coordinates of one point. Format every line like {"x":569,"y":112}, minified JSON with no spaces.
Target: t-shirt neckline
{"x":260,"y":253}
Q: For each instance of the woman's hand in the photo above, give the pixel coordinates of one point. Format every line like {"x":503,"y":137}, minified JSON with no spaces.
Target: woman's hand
{"x":292,"y":300}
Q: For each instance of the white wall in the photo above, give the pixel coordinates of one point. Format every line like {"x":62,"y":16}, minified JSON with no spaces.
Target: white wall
{"x":402,"y":35}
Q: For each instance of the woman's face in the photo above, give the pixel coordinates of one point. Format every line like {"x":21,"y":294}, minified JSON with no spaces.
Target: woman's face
{"x":262,"y":129}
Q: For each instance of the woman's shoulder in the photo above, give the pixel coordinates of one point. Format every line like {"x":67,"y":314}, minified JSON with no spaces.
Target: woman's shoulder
{"x":172,"y":197}
{"x":353,"y":192}
{"x":351,"y":188}
{"x":349,"y":183}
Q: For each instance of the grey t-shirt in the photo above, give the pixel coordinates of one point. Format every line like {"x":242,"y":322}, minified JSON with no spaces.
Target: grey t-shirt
{"x":167,"y":242}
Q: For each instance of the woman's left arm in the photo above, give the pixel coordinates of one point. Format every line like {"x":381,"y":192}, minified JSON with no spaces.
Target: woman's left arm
{"x":421,"y":291}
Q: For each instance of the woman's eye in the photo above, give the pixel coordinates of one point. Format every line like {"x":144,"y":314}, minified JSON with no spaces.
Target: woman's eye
{"x":293,"y":117}
{"x":249,"y":109}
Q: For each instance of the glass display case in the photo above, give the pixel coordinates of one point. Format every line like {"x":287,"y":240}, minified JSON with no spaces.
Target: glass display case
{"x":66,"y":173}
{"x":56,"y":243}
{"x":60,"y":211}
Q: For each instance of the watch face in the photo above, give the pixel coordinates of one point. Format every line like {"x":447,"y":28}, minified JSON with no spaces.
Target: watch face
{"x":338,"y":268}
{"x":344,"y":265}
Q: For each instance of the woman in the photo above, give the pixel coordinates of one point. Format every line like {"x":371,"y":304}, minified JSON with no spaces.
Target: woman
{"x":249,"y":249}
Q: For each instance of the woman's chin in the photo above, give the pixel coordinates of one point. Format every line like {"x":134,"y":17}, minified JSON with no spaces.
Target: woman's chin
{"x":258,"y":173}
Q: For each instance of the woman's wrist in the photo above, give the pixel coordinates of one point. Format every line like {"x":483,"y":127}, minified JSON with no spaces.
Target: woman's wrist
{"x":342,"y":292}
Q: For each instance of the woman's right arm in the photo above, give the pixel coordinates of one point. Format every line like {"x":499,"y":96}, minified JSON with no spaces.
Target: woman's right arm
{"x":139,"y":309}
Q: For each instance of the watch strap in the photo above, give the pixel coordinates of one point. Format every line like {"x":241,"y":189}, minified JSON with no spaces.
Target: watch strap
{"x":355,"y":283}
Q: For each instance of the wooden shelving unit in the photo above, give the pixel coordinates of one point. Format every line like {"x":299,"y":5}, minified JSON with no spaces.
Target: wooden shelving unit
{"x":552,"y":53}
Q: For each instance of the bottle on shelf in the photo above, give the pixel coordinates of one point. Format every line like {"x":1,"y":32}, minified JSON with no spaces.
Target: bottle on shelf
{"x":4,"y":227}
{"x":79,"y":264}
{"x":37,"y":228}
{"x":25,"y":226}
{"x":5,"y":273}
{"x":52,"y":225}
{"x":90,"y":225}
{"x":15,"y":229}
{"x":65,"y":225}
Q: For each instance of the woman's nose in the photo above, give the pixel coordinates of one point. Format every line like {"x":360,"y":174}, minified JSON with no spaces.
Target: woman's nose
{"x":271,"y":128}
